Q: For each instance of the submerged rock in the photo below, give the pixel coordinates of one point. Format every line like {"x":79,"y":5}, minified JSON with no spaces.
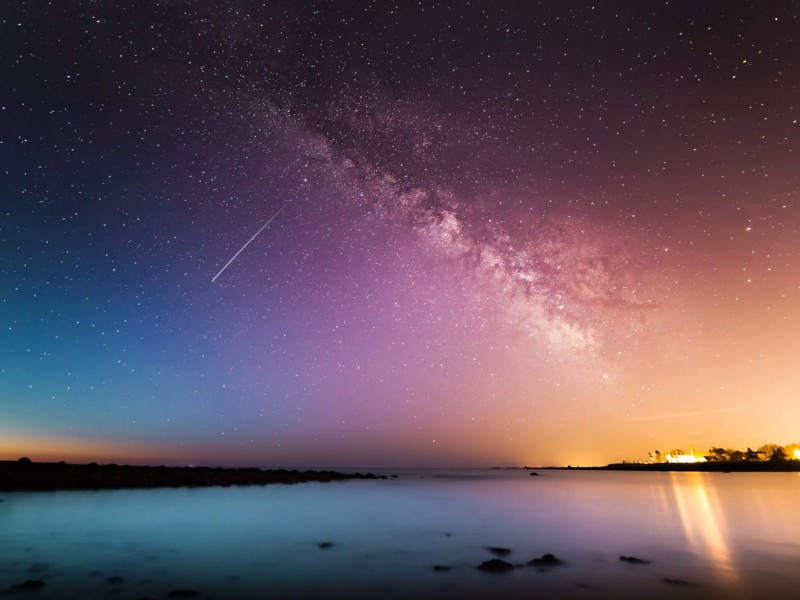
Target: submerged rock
{"x":496,"y":565}
{"x":499,"y":551}
{"x":442,"y":568}
{"x":675,"y":581}
{"x":179,"y":593}
{"x":26,"y":586}
{"x":545,"y":560}
{"x":633,"y":560}
{"x":325,"y":545}
{"x":534,"y":474}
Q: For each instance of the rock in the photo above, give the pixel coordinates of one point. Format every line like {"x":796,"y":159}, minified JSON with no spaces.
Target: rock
{"x":442,"y":568}
{"x":545,"y":560}
{"x":496,"y":565}
{"x":499,"y":551}
{"x":27,"y":586}
{"x":675,"y":581}
{"x":633,"y":560}
{"x":534,"y":474}
{"x":114,"y":580}
{"x":325,"y":545}
{"x":179,"y":593}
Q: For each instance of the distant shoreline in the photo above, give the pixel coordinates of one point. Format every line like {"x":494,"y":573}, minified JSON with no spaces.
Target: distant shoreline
{"x":788,"y":466}
{"x":26,"y":475}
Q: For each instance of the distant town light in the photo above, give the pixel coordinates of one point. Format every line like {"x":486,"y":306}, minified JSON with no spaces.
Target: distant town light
{"x":677,"y":456}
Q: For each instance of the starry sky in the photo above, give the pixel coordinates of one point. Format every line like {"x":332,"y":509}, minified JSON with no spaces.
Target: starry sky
{"x":501,"y":232}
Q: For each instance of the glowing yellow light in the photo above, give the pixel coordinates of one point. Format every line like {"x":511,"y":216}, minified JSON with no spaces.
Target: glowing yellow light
{"x":679,"y":457}
{"x":797,"y":453}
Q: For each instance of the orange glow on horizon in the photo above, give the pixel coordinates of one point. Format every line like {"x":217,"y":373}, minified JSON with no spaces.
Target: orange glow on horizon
{"x":73,"y":449}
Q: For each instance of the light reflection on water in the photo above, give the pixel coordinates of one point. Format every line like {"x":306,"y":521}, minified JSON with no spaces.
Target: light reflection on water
{"x":701,"y":515}
{"x":708,"y":534}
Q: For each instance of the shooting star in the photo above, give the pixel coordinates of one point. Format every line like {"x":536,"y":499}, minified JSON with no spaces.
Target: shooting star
{"x":247,"y":243}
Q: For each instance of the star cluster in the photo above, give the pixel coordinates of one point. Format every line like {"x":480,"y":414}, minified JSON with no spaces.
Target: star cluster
{"x":508,"y":232}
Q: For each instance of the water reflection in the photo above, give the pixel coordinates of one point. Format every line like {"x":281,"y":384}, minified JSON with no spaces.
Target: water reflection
{"x":705,"y":535}
{"x":702,"y":518}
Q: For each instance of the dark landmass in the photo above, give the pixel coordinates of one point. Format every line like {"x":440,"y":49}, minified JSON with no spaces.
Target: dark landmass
{"x":715,"y":466}
{"x":25,"y":475}
{"x":787,"y":466}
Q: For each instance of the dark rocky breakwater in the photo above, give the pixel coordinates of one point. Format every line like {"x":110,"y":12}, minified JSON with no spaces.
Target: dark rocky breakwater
{"x":26,"y":475}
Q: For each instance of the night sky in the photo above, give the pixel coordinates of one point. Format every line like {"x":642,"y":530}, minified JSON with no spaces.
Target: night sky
{"x":503,"y":233}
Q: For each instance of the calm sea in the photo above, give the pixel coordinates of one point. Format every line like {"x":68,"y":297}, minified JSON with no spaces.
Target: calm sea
{"x":705,"y":535}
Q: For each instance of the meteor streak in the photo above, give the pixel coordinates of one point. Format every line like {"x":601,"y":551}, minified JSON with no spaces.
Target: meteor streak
{"x":247,"y":243}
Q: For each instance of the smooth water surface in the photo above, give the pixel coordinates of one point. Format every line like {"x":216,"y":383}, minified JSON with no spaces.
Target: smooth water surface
{"x":706,"y":535}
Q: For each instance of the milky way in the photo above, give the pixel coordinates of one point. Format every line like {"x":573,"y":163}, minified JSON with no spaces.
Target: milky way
{"x":497,"y":232}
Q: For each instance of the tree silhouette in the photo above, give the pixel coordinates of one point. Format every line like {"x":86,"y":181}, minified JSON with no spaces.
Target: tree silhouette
{"x":779,"y":455}
{"x":769,"y":449}
{"x":718,"y":454}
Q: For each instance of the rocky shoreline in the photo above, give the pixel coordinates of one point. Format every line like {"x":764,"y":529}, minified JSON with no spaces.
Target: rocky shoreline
{"x":26,"y":475}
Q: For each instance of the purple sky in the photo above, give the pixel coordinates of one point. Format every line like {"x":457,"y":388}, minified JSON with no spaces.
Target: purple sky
{"x":514,"y":233}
